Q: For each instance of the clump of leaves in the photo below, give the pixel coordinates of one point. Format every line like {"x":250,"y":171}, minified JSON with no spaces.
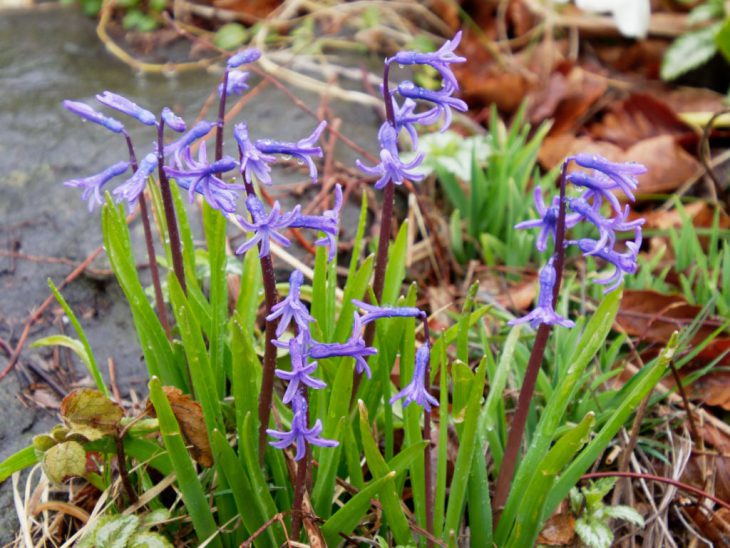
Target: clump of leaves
{"x":593,"y":524}
{"x":126,"y":532}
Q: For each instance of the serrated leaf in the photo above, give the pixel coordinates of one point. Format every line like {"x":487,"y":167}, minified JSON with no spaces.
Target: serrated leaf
{"x":626,"y":513}
{"x":594,"y":533}
{"x":149,"y":540}
{"x":65,"y":460}
{"x":689,"y":51}
{"x":116,"y":532}
{"x":90,"y":413}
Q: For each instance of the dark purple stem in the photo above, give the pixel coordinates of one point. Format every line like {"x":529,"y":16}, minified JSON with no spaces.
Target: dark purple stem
{"x":151,"y":255}
{"x":517,"y":427}
{"x":169,"y":207}
{"x":221,"y":119}
{"x":269,"y":366}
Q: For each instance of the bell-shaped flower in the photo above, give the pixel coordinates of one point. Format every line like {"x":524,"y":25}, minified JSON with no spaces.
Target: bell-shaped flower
{"x":544,"y":311}
{"x":440,"y":59}
{"x":391,"y":167}
{"x":373,"y":312}
{"x":265,"y":228}
{"x":355,"y":347}
{"x":200,"y":176}
{"x":623,"y":174}
{"x":303,"y":150}
{"x":253,"y":161}
{"x":291,"y":308}
{"x":328,"y":223}
{"x":236,"y":83}
{"x":623,"y":263}
{"x":134,"y":186}
{"x":406,"y":119}
{"x":92,"y":185}
{"x":591,"y":213}
{"x":416,"y":391}
{"x":179,"y":149}
{"x":125,"y":106}
{"x":301,"y":371}
{"x":85,"y":112}
{"x":548,"y":221}
{"x":442,"y":99}
{"x":300,"y":434}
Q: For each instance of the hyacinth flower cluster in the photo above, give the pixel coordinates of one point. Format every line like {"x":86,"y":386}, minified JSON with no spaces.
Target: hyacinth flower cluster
{"x":597,"y":186}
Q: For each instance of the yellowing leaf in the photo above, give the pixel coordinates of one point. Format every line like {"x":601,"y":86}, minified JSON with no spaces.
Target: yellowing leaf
{"x":90,"y":413}
{"x":63,"y":461}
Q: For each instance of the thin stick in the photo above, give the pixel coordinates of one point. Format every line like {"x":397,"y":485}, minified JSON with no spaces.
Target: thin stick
{"x":122,"y":464}
{"x":517,"y":427}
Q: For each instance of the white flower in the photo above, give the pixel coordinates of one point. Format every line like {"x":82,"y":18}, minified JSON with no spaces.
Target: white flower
{"x":631,"y":16}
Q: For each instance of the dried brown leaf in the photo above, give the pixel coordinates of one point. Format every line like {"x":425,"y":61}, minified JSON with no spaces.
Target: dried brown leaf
{"x":559,"y":530}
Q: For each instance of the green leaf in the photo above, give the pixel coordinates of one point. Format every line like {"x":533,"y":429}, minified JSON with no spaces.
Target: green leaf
{"x":116,"y":532}
{"x":65,"y":460}
{"x":625,"y":513}
{"x":193,"y":494}
{"x":689,"y":51}
{"x":88,"y":358}
{"x":230,"y":36}
{"x":148,"y":539}
{"x":722,"y":41}
{"x":78,"y":348}
{"x":349,"y":516}
{"x":18,"y":461}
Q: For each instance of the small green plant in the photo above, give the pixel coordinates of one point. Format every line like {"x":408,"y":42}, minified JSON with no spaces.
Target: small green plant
{"x":593,"y":525}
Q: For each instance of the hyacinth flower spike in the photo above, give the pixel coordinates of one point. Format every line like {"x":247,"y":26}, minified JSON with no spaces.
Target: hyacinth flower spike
{"x":548,"y":221}
{"x":442,"y":99}
{"x":355,"y":347}
{"x":265,"y":228}
{"x":544,"y":311}
{"x":134,"y":186}
{"x":406,"y":119}
{"x":291,"y":308}
{"x":622,"y":174}
{"x":391,"y":168}
{"x":300,"y":434}
{"x":599,"y":187}
{"x":303,"y":150}
{"x":328,"y":223}
{"x":92,"y":185}
{"x":440,"y":59}
{"x":415,"y":391}
{"x":301,"y":371}
{"x":200,"y":176}
{"x":254,"y":163}
{"x":85,"y":112}
{"x":373,"y":312}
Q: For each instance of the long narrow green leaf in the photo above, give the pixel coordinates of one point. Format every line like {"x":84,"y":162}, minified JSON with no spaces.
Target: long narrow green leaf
{"x":478,"y":501}
{"x":395,"y":271}
{"x":87,"y":357}
{"x":78,"y":348}
{"x":442,"y":447}
{"x":214,"y":225}
{"x":193,"y":494}
{"x":324,"y":487}
{"x":650,"y":375}
{"x":467,"y":446}
{"x":16,"y":462}
{"x":252,"y":514}
{"x":379,"y":468}
{"x":348,"y":517}
{"x":529,"y":520}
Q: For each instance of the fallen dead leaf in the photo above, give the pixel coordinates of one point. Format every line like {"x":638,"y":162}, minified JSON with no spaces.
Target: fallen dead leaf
{"x":582,"y":90}
{"x":559,"y":530}
{"x":713,"y":527}
{"x":189,"y":415}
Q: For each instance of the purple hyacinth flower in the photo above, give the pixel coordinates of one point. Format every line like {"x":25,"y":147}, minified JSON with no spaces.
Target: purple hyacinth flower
{"x":87,"y":113}
{"x":328,"y":223}
{"x":125,"y":106}
{"x":624,"y":263}
{"x":236,"y":83}
{"x":592,"y":214}
{"x":243,"y":57}
{"x":92,"y":185}
{"x":134,"y":186}
{"x":200,"y":176}
{"x":391,"y":168}
{"x":622,"y":174}
{"x":440,"y":59}
{"x":179,"y":149}
{"x":442,"y":99}
{"x":406,"y":119}
{"x":599,"y":187}
{"x":299,"y":434}
{"x":544,"y":311}
{"x":172,"y":120}
{"x":303,"y":149}
{"x":253,"y":161}
{"x":291,"y":308}
{"x":620,"y":224}
{"x":301,"y":371}
{"x":354,"y":347}
{"x":415,"y":391}
{"x":265,"y":228}
{"x":373,"y":312}
{"x":548,"y":221}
